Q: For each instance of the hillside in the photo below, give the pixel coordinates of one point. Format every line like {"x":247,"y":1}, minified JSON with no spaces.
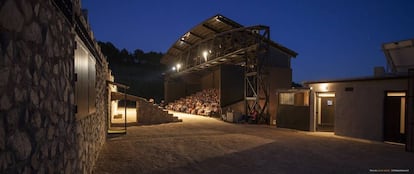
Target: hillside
{"x":139,"y":70}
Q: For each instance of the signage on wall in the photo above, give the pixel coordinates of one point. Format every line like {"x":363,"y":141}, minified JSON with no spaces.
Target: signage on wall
{"x":329,"y":102}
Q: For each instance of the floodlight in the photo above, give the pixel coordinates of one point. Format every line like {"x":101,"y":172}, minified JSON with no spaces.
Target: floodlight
{"x":205,"y":54}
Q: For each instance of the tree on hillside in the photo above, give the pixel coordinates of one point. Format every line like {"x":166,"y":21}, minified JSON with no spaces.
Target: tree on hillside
{"x":110,"y":51}
{"x":125,"y":56}
{"x":139,"y":70}
{"x":137,"y":55}
{"x":296,"y":85}
{"x":152,"y":58}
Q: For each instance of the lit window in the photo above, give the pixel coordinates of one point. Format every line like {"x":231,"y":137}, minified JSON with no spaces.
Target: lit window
{"x":294,"y":98}
{"x":287,"y":98}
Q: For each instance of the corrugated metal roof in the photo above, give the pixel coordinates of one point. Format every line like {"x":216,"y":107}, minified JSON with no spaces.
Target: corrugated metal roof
{"x":400,"y":55}
{"x":208,"y":28}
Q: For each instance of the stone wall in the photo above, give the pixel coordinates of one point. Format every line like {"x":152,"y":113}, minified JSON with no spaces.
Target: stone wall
{"x":91,"y":130}
{"x":38,"y":129}
{"x":148,"y":113}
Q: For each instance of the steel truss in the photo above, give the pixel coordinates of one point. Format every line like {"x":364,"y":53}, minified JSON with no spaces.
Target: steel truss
{"x":246,"y":46}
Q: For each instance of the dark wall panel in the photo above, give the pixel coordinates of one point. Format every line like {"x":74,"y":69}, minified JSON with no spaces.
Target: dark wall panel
{"x":173,"y":89}
{"x":278,"y":59}
{"x":293,"y":117}
{"x":232,"y":84}
{"x":211,"y":80}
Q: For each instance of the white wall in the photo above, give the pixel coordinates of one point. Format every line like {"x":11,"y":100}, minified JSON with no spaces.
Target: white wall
{"x":358,"y":113}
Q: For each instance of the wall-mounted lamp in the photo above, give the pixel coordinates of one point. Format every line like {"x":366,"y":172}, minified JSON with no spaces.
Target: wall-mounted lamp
{"x":324,"y":87}
{"x":178,"y":66}
{"x":205,"y":55}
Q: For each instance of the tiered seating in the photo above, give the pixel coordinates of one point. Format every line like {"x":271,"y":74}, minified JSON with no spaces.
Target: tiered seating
{"x":205,"y":102}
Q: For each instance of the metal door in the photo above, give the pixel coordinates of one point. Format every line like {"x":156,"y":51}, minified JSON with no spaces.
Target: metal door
{"x":394,"y":119}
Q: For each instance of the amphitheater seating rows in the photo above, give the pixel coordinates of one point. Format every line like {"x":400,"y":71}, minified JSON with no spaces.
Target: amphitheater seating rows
{"x":205,"y":102}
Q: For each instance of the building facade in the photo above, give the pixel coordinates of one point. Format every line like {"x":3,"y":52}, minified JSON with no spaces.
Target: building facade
{"x":52,"y":88}
{"x":379,"y":107}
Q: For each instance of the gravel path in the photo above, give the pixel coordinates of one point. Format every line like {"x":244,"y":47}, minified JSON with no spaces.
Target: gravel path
{"x":207,"y":145}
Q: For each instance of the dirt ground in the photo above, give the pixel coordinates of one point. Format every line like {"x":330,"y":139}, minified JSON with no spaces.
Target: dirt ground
{"x":208,"y":145}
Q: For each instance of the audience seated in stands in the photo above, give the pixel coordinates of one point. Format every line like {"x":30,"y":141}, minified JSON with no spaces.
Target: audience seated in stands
{"x":205,"y":102}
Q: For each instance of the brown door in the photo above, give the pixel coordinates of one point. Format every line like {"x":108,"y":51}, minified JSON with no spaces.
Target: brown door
{"x":394,"y":111}
{"x":327,"y":115}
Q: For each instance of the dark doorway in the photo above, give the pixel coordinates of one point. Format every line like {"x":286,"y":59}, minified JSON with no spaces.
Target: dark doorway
{"x":326,"y":112}
{"x":394,"y":117}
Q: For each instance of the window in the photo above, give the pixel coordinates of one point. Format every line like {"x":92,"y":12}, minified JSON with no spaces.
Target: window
{"x":287,"y":98}
{"x":294,"y":98}
{"x":85,"y":74}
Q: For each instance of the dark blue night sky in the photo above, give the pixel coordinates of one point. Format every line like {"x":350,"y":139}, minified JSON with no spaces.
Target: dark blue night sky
{"x":334,"y":38}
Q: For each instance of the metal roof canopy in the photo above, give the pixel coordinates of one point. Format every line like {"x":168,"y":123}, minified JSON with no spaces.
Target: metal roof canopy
{"x":219,"y":40}
{"x":227,"y":42}
{"x":400,"y":55}
{"x":205,"y":29}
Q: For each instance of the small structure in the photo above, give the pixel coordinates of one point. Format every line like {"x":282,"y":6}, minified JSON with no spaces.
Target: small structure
{"x":370,"y":108}
{"x":143,"y":111}
{"x":293,"y":109}
{"x":377,"y":108}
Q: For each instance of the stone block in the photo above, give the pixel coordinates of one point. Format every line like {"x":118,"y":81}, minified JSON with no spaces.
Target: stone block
{"x":36,"y":119}
{"x":2,"y":136}
{"x":5,"y":103}
{"x":53,"y":118}
{"x":50,"y":132}
{"x":27,"y":9}
{"x":5,"y":160}
{"x":11,"y":11}
{"x":35,"y":79}
{"x":33,"y":33}
{"x":40,"y":135}
{"x":35,"y":161}
{"x":12,"y":120}
{"x":19,"y":94}
{"x":36,"y":9}
{"x":20,"y":143}
{"x":56,"y":69}
{"x":53,"y":149}
{"x":34,"y":98}
{"x":4,"y":76}
{"x":38,"y":61}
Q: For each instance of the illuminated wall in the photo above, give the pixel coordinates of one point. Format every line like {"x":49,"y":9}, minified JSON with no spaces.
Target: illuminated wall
{"x":359,"y":106}
{"x":39,"y":131}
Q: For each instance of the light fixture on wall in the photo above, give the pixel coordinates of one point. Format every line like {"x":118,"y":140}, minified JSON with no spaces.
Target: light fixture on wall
{"x":324,"y":87}
{"x":205,"y":55}
{"x":178,"y":66}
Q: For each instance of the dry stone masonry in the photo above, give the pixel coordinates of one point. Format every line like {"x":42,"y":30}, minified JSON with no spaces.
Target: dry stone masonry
{"x":39,"y":132}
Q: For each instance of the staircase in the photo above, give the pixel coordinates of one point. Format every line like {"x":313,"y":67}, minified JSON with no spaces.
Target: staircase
{"x":148,"y":113}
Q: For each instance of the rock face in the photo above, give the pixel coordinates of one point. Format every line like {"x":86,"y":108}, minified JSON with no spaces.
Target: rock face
{"x":39,"y":132}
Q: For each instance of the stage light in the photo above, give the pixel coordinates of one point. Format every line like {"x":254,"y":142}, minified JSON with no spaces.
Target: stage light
{"x":173,"y":68}
{"x":178,"y":66}
{"x":205,"y":54}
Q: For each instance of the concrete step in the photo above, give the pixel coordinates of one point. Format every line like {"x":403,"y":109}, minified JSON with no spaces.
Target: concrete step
{"x":176,"y":119}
